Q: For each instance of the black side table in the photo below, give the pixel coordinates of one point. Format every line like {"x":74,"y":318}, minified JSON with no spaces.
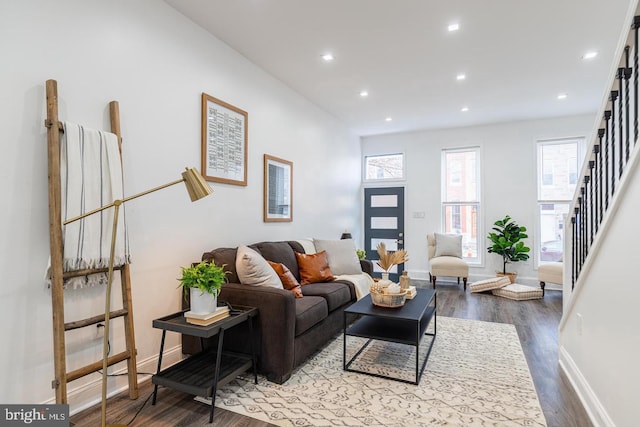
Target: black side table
{"x":202,"y":373}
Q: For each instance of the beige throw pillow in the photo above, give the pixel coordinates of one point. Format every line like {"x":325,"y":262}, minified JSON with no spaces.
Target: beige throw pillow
{"x":341,"y":255}
{"x":254,"y":270}
{"x":448,"y":245}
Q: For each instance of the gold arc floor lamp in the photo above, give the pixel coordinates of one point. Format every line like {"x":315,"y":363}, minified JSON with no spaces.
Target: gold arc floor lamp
{"x":197,"y":188}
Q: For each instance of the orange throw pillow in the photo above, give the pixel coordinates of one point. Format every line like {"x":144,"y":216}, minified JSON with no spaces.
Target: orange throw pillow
{"x":287,"y":278}
{"x":314,"y":268}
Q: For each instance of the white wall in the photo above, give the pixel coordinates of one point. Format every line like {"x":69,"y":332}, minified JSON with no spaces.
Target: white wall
{"x":155,"y":63}
{"x":599,"y":339}
{"x":508,"y":165}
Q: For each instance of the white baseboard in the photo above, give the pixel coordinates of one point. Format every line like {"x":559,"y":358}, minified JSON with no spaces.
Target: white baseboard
{"x":90,"y":394}
{"x":590,"y":401}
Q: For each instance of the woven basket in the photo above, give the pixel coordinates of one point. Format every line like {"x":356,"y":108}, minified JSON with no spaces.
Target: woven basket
{"x":388,"y":300}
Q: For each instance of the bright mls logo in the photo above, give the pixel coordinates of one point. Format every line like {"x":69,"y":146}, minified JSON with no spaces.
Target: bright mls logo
{"x":34,"y":415}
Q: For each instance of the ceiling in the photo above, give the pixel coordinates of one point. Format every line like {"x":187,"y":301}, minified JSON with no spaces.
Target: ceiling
{"x":517,"y":55}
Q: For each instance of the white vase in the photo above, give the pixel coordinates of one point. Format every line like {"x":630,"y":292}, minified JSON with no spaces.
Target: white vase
{"x":202,"y":302}
{"x":384,"y":281}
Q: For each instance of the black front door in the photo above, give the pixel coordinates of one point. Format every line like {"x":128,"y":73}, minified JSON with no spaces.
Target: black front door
{"x":384,"y":222}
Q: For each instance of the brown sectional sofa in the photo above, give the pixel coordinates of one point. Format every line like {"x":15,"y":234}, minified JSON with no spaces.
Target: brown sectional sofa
{"x":289,"y":329}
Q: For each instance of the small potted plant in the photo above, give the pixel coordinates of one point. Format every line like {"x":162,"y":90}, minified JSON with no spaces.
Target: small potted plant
{"x":203,"y":281}
{"x":506,"y":240}
{"x":362,"y":254}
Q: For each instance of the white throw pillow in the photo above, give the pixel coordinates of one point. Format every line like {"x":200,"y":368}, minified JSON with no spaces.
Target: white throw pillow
{"x":254,"y":270}
{"x":341,"y":255}
{"x":308,"y":246}
{"x":448,"y":245}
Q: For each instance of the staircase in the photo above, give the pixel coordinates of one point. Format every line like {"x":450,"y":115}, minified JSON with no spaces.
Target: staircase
{"x":599,"y":341}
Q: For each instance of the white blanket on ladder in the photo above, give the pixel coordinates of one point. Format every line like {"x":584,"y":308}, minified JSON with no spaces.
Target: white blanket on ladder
{"x":91,"y":177}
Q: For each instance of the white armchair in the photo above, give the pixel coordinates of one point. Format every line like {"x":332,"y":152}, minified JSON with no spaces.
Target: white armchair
{"x":550,"y":272}
{"x":445,"y":257}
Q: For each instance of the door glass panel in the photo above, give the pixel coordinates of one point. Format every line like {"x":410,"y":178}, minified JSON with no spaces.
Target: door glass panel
{"x":391,"y":244}
{"x":384,"y":222}
{"x":384,"y":201}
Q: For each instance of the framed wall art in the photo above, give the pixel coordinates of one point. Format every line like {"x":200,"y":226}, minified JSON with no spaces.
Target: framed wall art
{"x":278,"y":189}
{"x":224,"y":142}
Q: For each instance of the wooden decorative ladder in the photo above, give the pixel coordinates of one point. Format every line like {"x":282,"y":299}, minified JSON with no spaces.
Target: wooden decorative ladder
{"x":60,"y":327}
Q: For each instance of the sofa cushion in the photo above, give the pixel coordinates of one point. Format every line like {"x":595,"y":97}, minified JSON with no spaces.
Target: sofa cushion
{"x":254,"y":270}
{"x":341,"y":255}
{"x":280,"y":252}
{"x":335,"y":293}
{"x":314,"y":268}
{"x":489,"y":284}
{"x":449,"y":266}
{"x":448,"y":245}
{"x":309,"y":311}
{"x":289,"y":282}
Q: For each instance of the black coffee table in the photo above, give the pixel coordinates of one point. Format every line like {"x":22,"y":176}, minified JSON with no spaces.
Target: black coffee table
{"x":404,"y":325}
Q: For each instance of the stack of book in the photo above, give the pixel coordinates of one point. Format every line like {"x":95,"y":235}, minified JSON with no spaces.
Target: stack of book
{"x":207,"y":319}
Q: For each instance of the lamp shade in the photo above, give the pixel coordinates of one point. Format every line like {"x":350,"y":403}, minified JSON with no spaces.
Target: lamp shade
{"x":196,"y":185}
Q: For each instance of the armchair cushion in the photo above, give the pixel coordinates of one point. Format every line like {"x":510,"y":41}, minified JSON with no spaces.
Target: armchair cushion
{"x":449,"y":266}
{"x":448,"y":245}
{"x":551,"y":272}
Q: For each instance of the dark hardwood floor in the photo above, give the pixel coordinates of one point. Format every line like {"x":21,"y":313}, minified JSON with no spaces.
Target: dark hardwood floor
{"x":536,"y":322}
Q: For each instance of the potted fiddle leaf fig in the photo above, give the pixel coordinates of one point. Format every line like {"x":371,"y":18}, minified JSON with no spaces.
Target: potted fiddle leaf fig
{"x":507,"y":241}
{"x":203,"y":281}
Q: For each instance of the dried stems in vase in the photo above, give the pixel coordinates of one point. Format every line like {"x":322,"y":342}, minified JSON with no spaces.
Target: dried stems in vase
{"x":389,"y":259}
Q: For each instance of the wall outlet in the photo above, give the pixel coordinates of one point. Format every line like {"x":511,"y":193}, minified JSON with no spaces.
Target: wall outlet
{"x":579,"y":323}
{"x":99,"y":330}
{"x":418,"y":214}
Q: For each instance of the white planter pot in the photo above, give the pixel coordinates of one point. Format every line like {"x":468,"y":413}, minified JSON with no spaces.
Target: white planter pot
{"x":202,"y":302}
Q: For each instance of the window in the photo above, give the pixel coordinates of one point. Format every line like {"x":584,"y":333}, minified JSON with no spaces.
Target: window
{"x":557,"y":175}
{"x":384,"y":167}
{"x":461,"y":198}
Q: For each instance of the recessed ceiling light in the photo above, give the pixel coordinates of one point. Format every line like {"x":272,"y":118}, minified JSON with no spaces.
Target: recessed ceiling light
{"x":461,"y":76}
{"x":327,"y":57}
{"x":388,"y":119}
{"x":590,"y":55}
{"x":464,"y":109}
{"x":364,"y":93}
{"x":453,"y":27}
{"x":562,"y":96}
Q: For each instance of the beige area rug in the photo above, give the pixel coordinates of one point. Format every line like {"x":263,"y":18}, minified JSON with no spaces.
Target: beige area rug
{"x":476,"y":376}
